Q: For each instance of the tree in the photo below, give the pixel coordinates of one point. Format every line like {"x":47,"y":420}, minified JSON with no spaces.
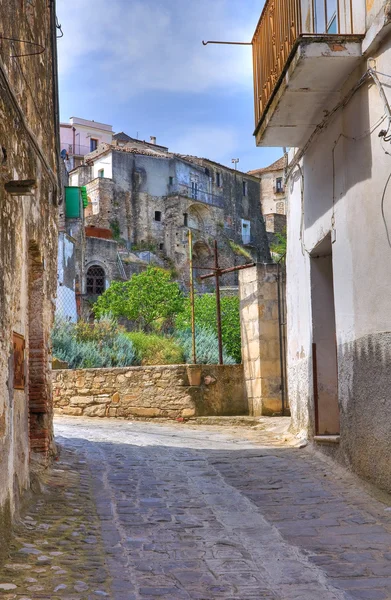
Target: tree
{"x":278,"y":248}
{"x":148,"y":298}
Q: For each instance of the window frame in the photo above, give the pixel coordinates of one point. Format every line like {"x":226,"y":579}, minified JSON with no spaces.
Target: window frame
{"x":95,"y":289}
{"x":96,"y":141}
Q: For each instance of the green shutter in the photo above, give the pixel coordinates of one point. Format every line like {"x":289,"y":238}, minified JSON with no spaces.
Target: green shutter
{"x":84,"y":196}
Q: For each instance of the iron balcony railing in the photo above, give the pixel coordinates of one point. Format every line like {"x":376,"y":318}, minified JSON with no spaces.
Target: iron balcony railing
{"x":76,"y":149}
{"x":196,"y":194}
{"x":281,"y":25}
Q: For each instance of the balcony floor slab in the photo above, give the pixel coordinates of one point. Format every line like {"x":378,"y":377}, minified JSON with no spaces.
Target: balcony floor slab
{"x":308,"y":89}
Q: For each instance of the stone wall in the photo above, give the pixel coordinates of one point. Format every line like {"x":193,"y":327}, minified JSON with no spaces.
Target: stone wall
{"x":29,"y":198}
{"x":155,"y":391}
{"x":260,"y":338}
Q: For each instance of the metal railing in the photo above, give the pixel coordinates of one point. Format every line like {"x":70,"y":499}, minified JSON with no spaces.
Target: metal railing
{"x":76,"y":149}
{"x":196,"y":194}
{"x":278,"y":29}
{"x":280,"y":26}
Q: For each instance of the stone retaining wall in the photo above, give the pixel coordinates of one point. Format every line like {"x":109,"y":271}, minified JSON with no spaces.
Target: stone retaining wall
{"x":155,"y":391}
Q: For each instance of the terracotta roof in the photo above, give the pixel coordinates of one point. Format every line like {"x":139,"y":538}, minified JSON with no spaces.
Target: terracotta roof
{"x":124,"y":137}
{"x":197,"y":160}
{"x":278,"y":165}
{"x":105,"y":148}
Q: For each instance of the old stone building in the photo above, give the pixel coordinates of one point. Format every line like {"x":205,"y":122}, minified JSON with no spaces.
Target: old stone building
{"x":273,"y":195}
{"x":143,"y":198}
{"x":29,"y":198}
{"x":326,"y":96}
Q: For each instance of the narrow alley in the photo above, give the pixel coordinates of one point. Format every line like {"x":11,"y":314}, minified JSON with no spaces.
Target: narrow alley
{"x":177,"y":511}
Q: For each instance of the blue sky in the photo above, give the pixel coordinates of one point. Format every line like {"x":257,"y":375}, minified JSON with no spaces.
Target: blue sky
{"x":140,"y":66}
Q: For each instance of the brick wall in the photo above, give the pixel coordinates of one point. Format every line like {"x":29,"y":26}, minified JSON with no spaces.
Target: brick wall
{"x":155,"y":391}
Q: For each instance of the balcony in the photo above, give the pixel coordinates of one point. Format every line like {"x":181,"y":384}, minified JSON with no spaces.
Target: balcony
{"x":197,"y":194}
{"x":303,"y":52}
{"x":76,"y":149}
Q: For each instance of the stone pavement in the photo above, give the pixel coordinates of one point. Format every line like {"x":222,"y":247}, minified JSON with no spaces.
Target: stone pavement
{"x":175,"y":511}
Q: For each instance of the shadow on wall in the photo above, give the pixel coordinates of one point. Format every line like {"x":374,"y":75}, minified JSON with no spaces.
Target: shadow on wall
{"x":365,"y":397}
{"x":339,"y":159}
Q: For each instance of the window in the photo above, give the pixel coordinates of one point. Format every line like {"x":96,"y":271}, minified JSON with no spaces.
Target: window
{"x":218,"y":179}
{"x":161,"y":246}
{"x":101,"y":173}
{"x":246,"y":225}
{"x":194,"y":189}
{"x":95,"y":280}
{"x":185,"y":219}
{"x":158,"y":215}
{"x":93,"y":144}
{"x":170,"y":181}
{"x":279,"y":187}
{"x":326,"y":16}
{"x":244,"y":183}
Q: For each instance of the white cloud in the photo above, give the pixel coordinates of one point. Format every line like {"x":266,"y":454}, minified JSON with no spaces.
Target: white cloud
{"x":155,"y":45}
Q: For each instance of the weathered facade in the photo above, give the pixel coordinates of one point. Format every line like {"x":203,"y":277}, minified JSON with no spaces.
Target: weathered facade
{"x":273,"y":195}
{"x":331,"y":104}
{"x":150,"y":198}
{"x":29,"y":195}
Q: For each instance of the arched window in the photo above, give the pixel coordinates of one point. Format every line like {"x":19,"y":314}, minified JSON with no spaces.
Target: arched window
{"x":95,"y":280}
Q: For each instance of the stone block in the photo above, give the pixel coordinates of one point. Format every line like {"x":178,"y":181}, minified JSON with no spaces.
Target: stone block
{"x":188,"y":412}
{"x":82,"y":400}
{"x":115,"y":398}
{"x":74,"y":411}
{"x":95,"y":411}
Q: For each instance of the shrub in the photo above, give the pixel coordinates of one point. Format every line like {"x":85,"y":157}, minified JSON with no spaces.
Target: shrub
{"x":149,"y":298}
{"x":92,"y":345}
{"x":152,"y":349}
{"x":205,"y":316}
{"x":207,"y":347}
{"x":279,"y":246}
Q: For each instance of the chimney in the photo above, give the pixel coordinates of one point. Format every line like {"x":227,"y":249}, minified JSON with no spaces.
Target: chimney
{"x":153,"y":139}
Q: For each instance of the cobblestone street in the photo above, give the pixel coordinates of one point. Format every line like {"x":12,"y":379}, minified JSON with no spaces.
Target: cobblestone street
{"x":177,"y":511}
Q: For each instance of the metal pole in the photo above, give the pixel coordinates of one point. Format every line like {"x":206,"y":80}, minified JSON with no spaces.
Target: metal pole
{"x":218,"y":305}
{"x":192,"y":297}
{"x":280,"y":333}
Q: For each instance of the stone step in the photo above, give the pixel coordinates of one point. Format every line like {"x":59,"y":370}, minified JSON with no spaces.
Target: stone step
{"x":232,"y":421}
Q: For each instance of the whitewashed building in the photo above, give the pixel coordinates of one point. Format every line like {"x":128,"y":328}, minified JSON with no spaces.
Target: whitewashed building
{"x":322,"y":75}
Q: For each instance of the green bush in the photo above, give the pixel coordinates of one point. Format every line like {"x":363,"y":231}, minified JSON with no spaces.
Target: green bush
{"x":152,"y":349}
{"x":205,"y":316}
{"x":207,"y":348}
{"x":92,"y":345}
{"x":149,"y":299}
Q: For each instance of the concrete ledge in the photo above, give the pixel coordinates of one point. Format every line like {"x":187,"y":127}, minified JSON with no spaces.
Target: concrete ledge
{"x":327,"y":439}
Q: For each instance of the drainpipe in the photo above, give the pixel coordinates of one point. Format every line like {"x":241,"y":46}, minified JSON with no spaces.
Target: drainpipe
{"x":56,"y":106}
{"x":281,"y":325}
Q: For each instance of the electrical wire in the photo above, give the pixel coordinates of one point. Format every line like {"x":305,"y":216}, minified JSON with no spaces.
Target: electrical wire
{"x":58,"y":26}
{"x":41,"y":49}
